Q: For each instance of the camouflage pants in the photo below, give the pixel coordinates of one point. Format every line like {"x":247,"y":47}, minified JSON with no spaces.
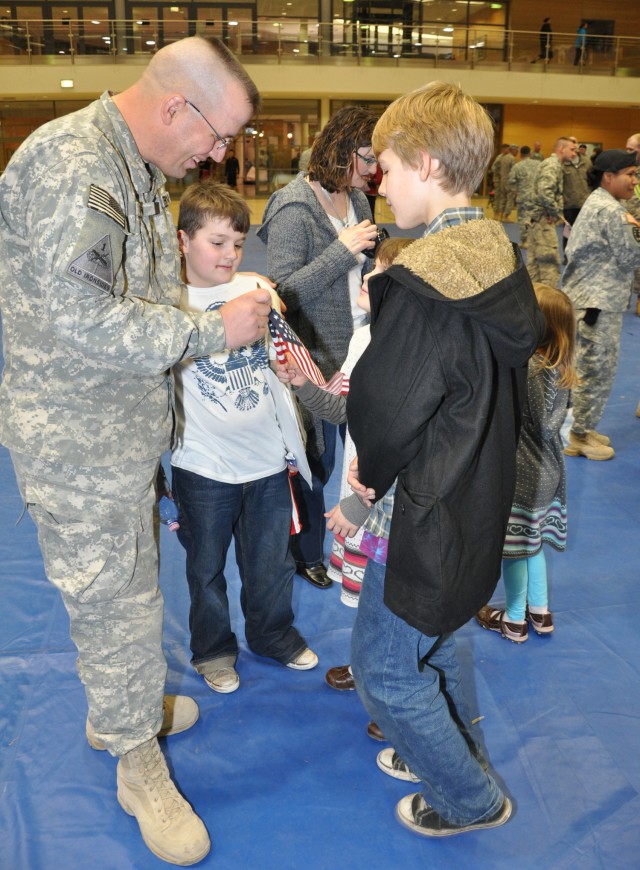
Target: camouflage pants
{"x":524,"y":222}
{"x":500,"y":195}
{"x":597,"y":350}
{"x":543,"y":257}
{"x":97,"y":537}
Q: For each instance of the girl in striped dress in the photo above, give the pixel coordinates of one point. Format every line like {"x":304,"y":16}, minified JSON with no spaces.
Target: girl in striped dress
{"x":539,"y":511}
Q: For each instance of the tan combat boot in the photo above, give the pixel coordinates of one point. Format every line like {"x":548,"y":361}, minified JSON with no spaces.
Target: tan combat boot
{"x":588,"y":446}
{"x":168,"y":825}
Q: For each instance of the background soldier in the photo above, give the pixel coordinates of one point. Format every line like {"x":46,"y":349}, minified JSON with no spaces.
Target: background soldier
{"x":603,"y":250}
{"x":633,"y":205}
{"x":543,"y":262}
{"x":575,"y":187}
{"x":499,"y":186}
{"x":89,"y":288}
{"x":522,"y":182}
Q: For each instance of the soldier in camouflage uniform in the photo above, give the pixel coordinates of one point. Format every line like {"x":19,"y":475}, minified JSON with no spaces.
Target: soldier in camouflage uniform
{"x":575,"y":188}
{"x":543,"y":261}
{"x":537,"y":154}
{"x":499,"y":189}
{"x":633,"y":205}
{"x":603,"y":250}
{"x":522,"y":182}
{"x":505,"y":170}
{"x":89,"y":289}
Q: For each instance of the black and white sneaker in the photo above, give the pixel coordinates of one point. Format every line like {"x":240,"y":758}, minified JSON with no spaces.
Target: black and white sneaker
{"x":390,"y":763}
{"x":414,"y":813}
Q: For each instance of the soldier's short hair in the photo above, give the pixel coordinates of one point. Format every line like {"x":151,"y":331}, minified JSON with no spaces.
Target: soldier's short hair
{"x":448,"y":124}
{"x":210,"y":200}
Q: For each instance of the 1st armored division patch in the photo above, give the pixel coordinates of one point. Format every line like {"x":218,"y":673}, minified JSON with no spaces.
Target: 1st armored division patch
{"x":95,"y":266}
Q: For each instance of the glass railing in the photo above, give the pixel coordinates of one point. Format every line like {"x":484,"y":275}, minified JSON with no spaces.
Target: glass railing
{"x":311,"y":41}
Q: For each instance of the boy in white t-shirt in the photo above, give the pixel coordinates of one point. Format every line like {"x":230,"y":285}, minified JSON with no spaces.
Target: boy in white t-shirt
{"x":235,"y":426}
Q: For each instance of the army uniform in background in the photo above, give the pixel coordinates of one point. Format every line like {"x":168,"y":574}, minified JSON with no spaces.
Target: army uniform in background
{"x":522,"y":179}
{"x":602,"y":253}
{"x":543,"y":260}
{"x":575,"y":189}
{"x":633,"y":207}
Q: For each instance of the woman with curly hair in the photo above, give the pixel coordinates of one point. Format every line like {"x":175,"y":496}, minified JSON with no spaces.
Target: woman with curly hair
{"x":317,"y":230}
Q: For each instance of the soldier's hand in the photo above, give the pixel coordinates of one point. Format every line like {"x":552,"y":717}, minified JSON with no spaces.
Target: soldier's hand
{"x":245,"y":317}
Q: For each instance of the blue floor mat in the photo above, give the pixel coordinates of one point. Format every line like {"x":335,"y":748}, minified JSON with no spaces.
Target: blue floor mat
{"x":283,"y":772}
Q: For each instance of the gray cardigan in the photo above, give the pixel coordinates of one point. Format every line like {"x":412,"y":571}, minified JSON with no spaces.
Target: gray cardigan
{"x":311,"y":266}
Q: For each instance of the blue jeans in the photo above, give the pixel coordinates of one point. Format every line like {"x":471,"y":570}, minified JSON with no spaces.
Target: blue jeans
{"x":258,"y":516}
{"x":411,"y":686}
{"x":308,"y":545}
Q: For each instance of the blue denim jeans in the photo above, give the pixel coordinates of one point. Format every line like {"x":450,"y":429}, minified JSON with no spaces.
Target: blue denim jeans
{"x":308,"y":545}
{"x":411,"y":686}
{"x":258,"y":516}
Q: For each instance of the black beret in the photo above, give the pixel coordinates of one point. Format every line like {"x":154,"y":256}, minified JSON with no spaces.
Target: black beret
{"x":614,"y":160}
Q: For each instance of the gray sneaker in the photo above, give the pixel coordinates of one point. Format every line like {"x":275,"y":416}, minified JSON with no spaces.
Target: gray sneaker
{"x":304,"y":661}
{"x":415,"y":813}
{"x":223,"y":680}
{"x":168,"y":825}
{"x":390,"y":763}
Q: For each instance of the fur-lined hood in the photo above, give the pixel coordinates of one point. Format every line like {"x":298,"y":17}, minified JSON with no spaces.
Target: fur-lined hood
{"x":475,"y":268}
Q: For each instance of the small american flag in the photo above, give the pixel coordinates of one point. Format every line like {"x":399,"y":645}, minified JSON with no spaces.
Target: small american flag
{"x":286,"y":341}
{"x":338,"y":384}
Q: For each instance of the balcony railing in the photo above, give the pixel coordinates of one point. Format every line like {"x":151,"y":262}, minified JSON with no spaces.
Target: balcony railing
{"x":311,"y":41}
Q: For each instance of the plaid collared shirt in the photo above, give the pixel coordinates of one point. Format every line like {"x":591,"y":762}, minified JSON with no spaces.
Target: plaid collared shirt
{"x":378,"y":524}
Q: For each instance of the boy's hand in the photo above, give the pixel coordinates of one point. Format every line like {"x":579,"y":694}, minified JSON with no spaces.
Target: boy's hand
{"x":289,"y":373}
{"x":245,"y":317}
{"x":360,"y":237}
{"x":339,"y":524}
{"x":296,"y":377}
{"x":366,"y":495}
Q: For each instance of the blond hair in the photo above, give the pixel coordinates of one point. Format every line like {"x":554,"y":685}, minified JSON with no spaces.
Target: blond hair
{"x":557,"y":348}
{"x":449,"y":125}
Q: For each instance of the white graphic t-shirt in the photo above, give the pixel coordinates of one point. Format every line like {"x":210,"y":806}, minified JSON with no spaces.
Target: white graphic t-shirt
{"x":227,"y":428}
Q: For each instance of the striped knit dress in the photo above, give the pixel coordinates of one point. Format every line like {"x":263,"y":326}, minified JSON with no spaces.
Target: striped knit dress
{"x":539,"y":511}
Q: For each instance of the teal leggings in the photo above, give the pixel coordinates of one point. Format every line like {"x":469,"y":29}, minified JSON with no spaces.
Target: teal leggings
{"x":525,"y":580}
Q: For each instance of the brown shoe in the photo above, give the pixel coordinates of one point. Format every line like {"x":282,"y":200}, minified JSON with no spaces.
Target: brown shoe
{"x":494,"y":620}
{"x":374,"y":731}
{"x":588,"y":446}
{"x":340,"y":678}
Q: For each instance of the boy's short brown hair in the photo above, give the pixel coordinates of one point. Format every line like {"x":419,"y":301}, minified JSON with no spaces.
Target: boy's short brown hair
{"x":448,"y":124}
{"x":210,"y":200}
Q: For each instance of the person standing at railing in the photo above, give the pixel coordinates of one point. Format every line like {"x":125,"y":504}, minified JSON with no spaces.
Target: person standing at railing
{"x":89,"y":293}
{"x":581,"y":44}
{"x":546,"y":41}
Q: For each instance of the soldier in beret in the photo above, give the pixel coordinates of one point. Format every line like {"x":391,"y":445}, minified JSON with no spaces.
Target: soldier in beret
{"x":603,"y":251}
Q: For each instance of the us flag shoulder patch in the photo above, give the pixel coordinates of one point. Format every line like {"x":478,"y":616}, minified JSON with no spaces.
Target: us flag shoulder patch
{"x":100,"y":200}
